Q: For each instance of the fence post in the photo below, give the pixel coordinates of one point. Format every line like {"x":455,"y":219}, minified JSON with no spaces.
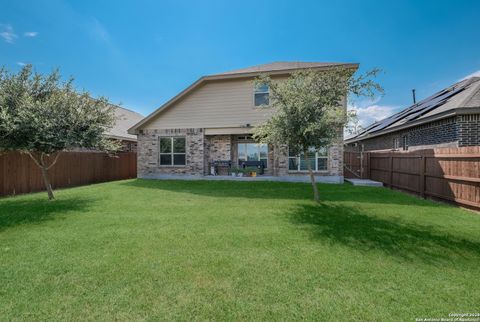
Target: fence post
{"x":368,"y":166}
{"x":390,"y":169}
{"x":422,"y":174}
{"x":361,"y":165}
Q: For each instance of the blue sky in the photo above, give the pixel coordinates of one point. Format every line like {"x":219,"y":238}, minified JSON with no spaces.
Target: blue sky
{"x":141,"y":53}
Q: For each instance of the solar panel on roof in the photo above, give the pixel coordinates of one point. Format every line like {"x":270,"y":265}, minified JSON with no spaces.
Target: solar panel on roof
{"x":419,"y":108}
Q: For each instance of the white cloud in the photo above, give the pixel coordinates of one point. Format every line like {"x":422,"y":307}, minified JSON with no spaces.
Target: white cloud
{"x":30,"y":34}
{"x":474,"y":74}
{"x":21,"y":63}
{"x":7,"y":33}
{"x":370,"y":111}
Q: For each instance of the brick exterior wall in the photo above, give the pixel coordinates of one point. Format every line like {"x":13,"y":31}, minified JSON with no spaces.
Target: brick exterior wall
{"x":456,"y":131}
{"x":442,"y":133}
{"x":469,"y":130}
{"x":201,"y":150}
{"x":217,"y":147}
{"x":148,"y":152}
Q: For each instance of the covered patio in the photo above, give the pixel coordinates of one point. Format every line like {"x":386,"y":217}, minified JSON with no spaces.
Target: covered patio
{"x":234,"y":149}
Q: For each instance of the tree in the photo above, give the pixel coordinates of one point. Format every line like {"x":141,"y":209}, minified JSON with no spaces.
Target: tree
{"x":42,"y":116}
{"x":309,"y":109}
{"x":353,"y":126}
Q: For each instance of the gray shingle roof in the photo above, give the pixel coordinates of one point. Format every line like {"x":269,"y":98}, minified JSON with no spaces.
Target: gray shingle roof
{"x":462,"y":95}
{"x":125,"y":120}
{"x":279,"y":66}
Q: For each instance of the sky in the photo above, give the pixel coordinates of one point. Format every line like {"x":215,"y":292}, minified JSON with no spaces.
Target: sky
{"x":141,"y":53}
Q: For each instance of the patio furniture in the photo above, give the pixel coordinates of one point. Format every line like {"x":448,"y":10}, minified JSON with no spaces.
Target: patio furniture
{"x":222,"y":167}
{"x":254,"y":164}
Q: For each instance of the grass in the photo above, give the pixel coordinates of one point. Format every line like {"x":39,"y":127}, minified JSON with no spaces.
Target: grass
{"x":178,"y":250}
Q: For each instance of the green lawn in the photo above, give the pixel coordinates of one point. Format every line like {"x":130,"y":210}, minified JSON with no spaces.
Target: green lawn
{"x":211,"y":250}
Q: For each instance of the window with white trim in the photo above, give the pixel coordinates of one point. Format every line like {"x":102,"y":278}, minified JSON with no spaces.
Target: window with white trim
{"x":172,"y":151}
{"x":405,"y":143}
{"x":396,"y":143}
{"x":318,"y":160}
{"x":261,"y":95}
{"x":253,"y":152}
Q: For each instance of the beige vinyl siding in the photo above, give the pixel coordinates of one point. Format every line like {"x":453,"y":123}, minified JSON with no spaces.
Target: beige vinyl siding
{"x":226,"y":103}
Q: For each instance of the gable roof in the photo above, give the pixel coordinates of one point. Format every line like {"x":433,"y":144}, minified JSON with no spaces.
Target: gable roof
{"x":275,"y":68}
{"x":125,"y":119}
{"x":460,"y":98}
{"x":278,"y":66}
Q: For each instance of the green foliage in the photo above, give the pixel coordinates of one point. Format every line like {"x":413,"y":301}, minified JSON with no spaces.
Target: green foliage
{"x":41,"y":116}
{"x":44,"y":115}
{"x":309,"y":106}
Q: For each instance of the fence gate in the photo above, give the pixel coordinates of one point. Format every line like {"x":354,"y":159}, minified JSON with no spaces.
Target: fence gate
{"x":355,"y":165}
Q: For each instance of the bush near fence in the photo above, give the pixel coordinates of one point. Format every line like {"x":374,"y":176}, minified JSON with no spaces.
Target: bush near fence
{"x":19,"y":174}
{"x":451,"y":174}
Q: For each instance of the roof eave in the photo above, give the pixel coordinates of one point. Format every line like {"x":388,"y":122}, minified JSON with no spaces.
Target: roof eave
{"x":278,"y":72}
{"x":123,"y":138}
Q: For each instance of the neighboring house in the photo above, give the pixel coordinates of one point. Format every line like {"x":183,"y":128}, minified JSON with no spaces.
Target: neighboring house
{"x":449,"y":118}
{"x":125,"y":119}
{"x":212,"y":120}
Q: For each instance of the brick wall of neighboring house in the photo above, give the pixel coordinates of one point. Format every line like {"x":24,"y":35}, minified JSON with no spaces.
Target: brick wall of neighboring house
{"x":201,"y":150}
{"x":148,"y":152}
{"x":469,"y":130}
{"x":442,"y":133}
{"x":128,"y":146}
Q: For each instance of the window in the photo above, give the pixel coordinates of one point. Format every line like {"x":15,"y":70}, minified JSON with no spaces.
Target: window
{"x":172,"y":151}
{"x":396,"y":143}
{"x":405,"y":143}
{"x":261,"y":95}
{"x":318,"y":160}
{"x":253,"y":152}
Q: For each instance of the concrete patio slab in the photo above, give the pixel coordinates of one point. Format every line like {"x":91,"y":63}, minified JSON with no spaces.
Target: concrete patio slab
{"x":320,"y":179}
{"x":364,"y":182}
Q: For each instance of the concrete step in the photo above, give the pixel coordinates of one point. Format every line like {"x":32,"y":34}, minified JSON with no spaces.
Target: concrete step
{"x":364,"y":182}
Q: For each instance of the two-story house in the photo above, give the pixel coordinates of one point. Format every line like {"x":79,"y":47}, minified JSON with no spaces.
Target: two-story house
{"x":213,"y":120}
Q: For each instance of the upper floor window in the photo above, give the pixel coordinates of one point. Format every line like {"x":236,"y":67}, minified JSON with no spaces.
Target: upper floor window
{"x":261,"y":95}
{"x":172,"y":151}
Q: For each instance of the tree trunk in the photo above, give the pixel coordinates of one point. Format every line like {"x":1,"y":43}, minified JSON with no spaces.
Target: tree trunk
{"x":46,"y":180}
{"x":316,"y":196}
{"x":40,"y":162}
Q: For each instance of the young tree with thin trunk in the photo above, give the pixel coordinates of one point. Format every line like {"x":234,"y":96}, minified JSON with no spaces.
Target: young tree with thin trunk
{"x":42,"y":116}
{"x":309,"y":109}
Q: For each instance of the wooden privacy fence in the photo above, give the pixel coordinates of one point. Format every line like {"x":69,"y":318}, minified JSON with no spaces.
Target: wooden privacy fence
{"x":451,"y":174}
{"x":19,"y":174}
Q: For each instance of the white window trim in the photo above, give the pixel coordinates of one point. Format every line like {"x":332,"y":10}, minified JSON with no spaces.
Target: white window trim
{"x":261,"y":92}
{"x":172,"y":154}
{"x":405,"y":143}
{"x":259,"y":158}
{"x":396,"y":143}
{"x":317,"y":156}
